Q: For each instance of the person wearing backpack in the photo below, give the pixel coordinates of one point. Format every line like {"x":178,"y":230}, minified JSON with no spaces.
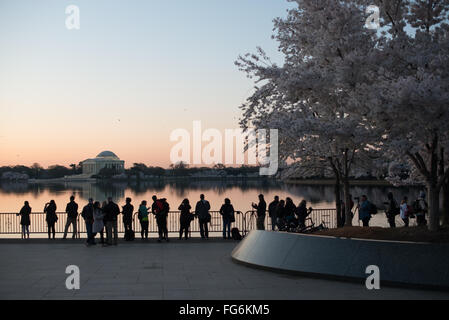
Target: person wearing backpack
{"x":227,"y":212}
{"x":202,"y":212}
{"x":127,"y":211}
{"x":185,"y":218}
{"x":111,"y":211}
{"x":421,"y":209}
{"x":365,"y":209}
{"x":392,"y":210}
{"x":160,"y":209}
{"x":405,"y":212}
{"x":143,"y":219}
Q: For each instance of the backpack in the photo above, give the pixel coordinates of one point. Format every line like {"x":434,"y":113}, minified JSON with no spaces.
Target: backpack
{"x":235,"y":233}
{"x":130,"y":235}
{"x":409,"y":212}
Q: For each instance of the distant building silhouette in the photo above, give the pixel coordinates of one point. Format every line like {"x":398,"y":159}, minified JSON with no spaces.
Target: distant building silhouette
{"x":105,"y":159}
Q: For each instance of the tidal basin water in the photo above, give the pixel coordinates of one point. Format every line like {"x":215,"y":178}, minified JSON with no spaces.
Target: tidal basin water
{"x":242,"y":194}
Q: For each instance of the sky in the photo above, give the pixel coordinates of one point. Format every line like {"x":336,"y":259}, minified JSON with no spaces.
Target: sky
{"x":135,"y":71}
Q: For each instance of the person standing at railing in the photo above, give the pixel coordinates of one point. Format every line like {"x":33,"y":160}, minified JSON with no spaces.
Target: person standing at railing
{"x":143,"y":219}
{"x":290,"y":212}
{"x":51,"y":218}
{"x":72,"y":217}
{"x":228,"y":214}
{"x":302,"y":212}
{"x":98,"y":223}
{"x":280,"y":213}
{"x":185,"y":219}
{"x":111,"y":212}
{"x":25,"y":220}
{"x":202,"y":212}
{"x":88,"y":216}
{"x":272,"y":212}
{"x":127,"y":211}
{"x":261,"y":209}
{"x":160,"y":209}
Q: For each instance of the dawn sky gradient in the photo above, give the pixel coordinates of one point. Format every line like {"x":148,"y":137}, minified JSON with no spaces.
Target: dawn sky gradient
{"x":135,"y":71}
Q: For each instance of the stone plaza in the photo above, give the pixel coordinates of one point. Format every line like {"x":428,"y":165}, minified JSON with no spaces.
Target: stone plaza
{"x":179,"y":270}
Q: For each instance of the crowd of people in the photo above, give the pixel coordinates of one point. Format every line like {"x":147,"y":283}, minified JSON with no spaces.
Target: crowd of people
{"x":102,"y":218}
{"x":406,"y":210}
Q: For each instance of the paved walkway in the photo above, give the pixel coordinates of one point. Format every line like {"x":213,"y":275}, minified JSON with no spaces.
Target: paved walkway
{"x":177,"y":270}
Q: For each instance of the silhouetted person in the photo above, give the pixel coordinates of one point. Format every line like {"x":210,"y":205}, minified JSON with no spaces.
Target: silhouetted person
{"x":280,"y":213}
{"x":272,"y":212}
{"x":72,"y":217}
{"x":160,"y":209}
{"x":365,"y":211}
{"x":102,"y":232}
{"x":185,"y":219}
{"x":143,"y":219}
{"x":227,"y":212}
{"x":51,"y":218}
{"x":88,"y":216}
{"x":98,"y":224}
{"x":111,"y":212}
{"x":127,"y":211}
{"x":25,"y":220}
{"x":405,"y":212}
{"x":421,"y":209}
{"x":392,"y":210}
{"x":261,"y":209}
{"x":202,"y":212}
{"x":290,"y":211}
{"x":302,"y":212}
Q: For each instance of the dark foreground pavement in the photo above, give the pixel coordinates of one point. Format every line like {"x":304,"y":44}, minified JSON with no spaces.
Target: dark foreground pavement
{"x":196,"y":269}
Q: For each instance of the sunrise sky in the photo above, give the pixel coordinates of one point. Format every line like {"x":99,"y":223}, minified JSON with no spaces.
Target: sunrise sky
{"x":135,"y":71}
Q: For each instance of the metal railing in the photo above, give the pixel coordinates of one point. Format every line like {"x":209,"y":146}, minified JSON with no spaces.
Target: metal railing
{"x":244,"y":221}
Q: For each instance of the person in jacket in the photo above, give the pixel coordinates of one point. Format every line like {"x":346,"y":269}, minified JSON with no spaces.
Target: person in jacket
{"x":421,"y":209}
{"x":392,"y":210}
{"x":111,"y":212}
{"x":88,"y":215}
{"x":72,"y":217}
{"x":160,"y":209}
{"x":204,"y":218}
{"x":261,"y":209}
{"x":98,"y":224}
{"x":280,"y":213}
{"x":228,"y":214}
{"x":272,"y":212}
{"x":127,"y":211}
{"x":185,"y":219}
{"x":143,"y":219}
{"x":302,"y":212}
{"x":290,"y":211}
{"x":405,"y":211}
{"x":25,"y":220}
{"x":365,"y":211}
{"x":51,"y":218}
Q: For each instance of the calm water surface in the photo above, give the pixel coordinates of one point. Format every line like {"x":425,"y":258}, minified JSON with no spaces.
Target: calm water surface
{"x":241,"y":193}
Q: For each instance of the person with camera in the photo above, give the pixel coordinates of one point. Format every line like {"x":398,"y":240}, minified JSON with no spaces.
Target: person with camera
{"x":261,"y":209}
{"x":51,"y":217}
{"x":365,"y":210}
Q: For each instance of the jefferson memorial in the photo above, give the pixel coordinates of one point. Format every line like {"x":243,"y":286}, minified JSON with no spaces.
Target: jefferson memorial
{"x":105,"y":159}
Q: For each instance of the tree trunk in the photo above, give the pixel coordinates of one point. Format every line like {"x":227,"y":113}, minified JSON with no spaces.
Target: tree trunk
{"x":347,"y":196}
{"x":338,"y":203}
{"x":446,"y":203}
{"x":434,"y":207}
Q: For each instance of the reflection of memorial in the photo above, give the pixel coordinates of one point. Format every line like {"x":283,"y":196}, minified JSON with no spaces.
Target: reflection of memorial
{"x":98,"y":192}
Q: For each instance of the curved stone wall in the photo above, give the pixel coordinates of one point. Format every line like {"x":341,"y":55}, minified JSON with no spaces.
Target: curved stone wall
{"x":400,"y":263}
